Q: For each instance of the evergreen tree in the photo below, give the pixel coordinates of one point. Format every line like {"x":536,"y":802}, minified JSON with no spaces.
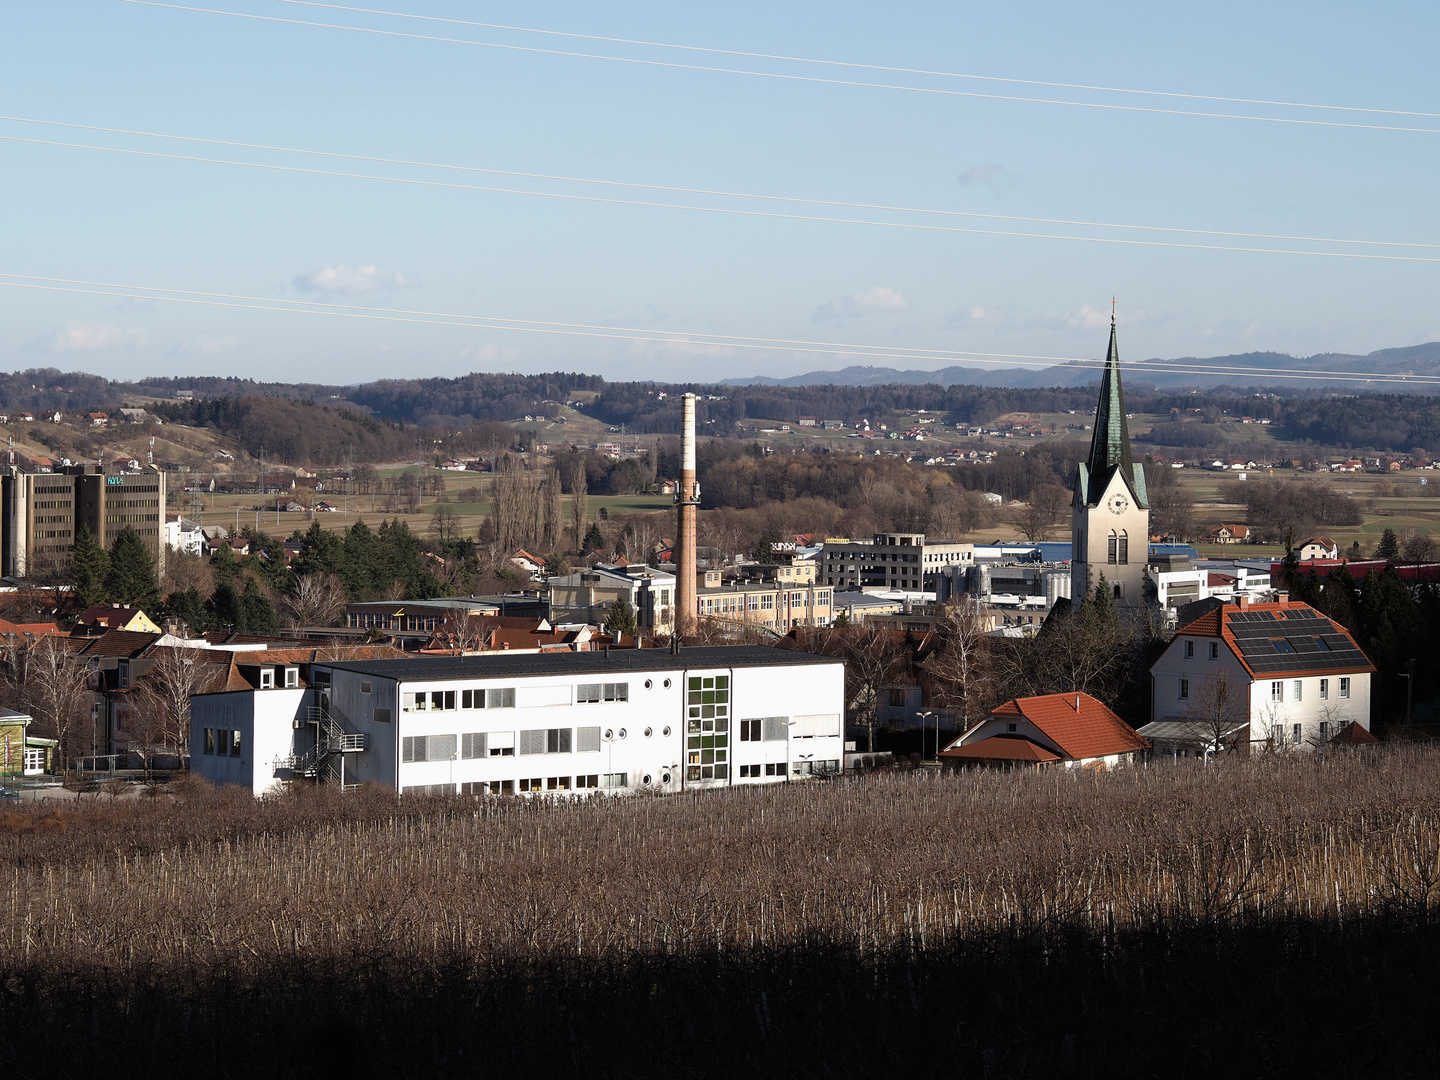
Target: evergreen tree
{"x":257,"y":614}
{"x":89,"y":565}
{"x":222,"y":610}
{"x":131,"y":580}
{"x":188,"y":608}
{"x":1355,"y":551}
{"x":1389,"y":545}
{"x":223,"y":565}
{"x":594,"y":539}
{"x":621,"y":618}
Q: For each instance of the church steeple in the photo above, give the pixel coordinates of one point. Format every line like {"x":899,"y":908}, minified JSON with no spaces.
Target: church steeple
{"x":1110,"y":441}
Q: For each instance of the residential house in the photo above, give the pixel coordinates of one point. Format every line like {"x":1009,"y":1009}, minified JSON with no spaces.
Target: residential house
{"x":1230,"y":534}
{"x":1069,"y":730}
{"x":1283,"y":669}
{"x":101,"y":618}
{"x":1317,"y":547}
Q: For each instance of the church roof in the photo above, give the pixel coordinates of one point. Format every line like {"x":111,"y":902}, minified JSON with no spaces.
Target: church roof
{"x":1110,"y":442}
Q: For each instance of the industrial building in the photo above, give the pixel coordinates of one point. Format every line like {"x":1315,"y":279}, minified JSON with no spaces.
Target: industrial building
{"x":42,"y":512}
{"x":551,"y":724}
{"x":893,"y":561}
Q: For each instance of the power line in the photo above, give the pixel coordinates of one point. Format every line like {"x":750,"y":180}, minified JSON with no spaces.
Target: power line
{"x":635,"y":334}
{"x":1107,"y":106}
{"x":858,"y":66}
{"x":723,"y":210}
{"x":791,"y":199}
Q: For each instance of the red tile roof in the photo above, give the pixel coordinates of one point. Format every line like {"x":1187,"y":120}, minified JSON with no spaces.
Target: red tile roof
{"x":1001,"y":748}
{"x":1354,"y":735}
{"x":1078,"y":724}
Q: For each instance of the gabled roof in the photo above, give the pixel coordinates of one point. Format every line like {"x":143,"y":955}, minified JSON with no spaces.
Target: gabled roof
{"x":1077,"y":725}
{"x":119,"y":643}
{"x":1002,"y":748}
{"x":1354,"y":735}
{"x":1281,"y":639}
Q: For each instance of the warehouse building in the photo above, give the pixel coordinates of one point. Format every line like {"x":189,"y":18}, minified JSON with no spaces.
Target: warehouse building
{"x":555,"y":724}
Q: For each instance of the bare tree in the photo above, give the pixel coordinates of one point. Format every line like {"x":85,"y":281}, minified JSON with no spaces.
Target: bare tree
{"x":1417,"y":546}
{"x":185,"y":570}
{"x":551,"y":510}
{"x":52,"y":684}
{"x":1218,"y":708}
{"x":445,"y":524}
{"x":318,"y":600}
{"x":960,"y":665}
{"x":579,"y":501}
{"x":162,"y":699}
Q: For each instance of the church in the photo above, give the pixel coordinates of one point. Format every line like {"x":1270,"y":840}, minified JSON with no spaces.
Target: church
{"x":1110,"y":513}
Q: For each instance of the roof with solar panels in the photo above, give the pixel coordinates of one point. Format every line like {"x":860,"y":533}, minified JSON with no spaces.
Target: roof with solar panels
{"x":1287,"y":638}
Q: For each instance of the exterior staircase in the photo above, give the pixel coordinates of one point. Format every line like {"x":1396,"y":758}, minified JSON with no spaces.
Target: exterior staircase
{"x":324,"y":762}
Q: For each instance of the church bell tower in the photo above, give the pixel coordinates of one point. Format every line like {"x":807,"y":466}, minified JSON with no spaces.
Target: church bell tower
{"x":1110,"y":513}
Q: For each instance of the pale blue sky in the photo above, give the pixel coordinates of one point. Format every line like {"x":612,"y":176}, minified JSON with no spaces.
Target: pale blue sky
{"x":85,"y":215}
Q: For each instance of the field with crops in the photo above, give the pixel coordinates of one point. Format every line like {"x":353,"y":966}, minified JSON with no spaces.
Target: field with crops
{"x":1265,"y":917}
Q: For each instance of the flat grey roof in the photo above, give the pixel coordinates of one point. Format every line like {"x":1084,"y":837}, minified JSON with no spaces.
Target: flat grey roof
{"x":618,"y":661}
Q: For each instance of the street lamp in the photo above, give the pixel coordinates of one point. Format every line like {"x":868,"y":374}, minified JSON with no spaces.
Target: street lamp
{"x":924,"y":717}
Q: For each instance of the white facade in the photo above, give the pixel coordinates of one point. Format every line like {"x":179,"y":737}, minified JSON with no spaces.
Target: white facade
{"x":903,"y":561}
{"x":1111,"y":539}
{"x":184,"y":535}
{"x":236,"y":737}
{"x":559,"y":724}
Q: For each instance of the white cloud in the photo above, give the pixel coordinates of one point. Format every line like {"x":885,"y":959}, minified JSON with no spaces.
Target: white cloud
{"x":865,"y":302}
{"x":91,"y":337}
{"x":981,"y":174}
{"x":207,"y":346}
{"x":352,"y":281}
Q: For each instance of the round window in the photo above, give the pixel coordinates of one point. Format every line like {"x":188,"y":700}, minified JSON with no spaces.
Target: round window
{"x":647,"y":778}
{"x":667,"y":684}
{"x":648,"y":732}
{"x":665,"y":731}
{"x":649,"y":683}
{"x":665,"y":778}
{"x":622,"y":733}
{"x":609,"y":734}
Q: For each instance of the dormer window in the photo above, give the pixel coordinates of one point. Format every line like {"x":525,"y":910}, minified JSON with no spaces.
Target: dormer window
{"x":267,"y":678}
{"x":292,"y":677}
{"x":122,"y":674}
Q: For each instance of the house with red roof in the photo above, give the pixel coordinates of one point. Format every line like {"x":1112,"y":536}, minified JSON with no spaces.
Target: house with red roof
{"x":1244,"y":674}
{"x":1051,"y":729}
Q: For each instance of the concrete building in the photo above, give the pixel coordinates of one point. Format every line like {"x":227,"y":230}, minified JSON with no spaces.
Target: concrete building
{"x":42,"y":512}
{"x":587,"y":596}
{"x":776,"y":597}
{"x":558,"y":724}
{"x":1110,"y":515}
{"x":891,"y":561}
{"x":1294,"y":677}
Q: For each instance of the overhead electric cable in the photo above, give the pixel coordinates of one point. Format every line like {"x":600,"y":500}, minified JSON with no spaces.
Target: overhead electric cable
{"x":635,"y":334}
{"x":786,"y":77}
{"x":792,"y":199}
{"x":856,"y":66}
{"x":723,"y":210}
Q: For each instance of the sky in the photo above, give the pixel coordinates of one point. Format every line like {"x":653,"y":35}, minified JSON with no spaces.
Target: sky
{"x":412,"y":270}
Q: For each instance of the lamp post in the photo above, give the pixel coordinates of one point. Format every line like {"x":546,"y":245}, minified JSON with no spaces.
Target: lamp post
{"x":924,"y":720}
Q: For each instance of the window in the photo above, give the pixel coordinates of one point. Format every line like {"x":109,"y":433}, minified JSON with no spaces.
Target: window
{"x":501,"y":698}
{"x":1009,"y":727}
{"x":535,"y":784}
{"x":413,"y":702}
{"x":557,"y":783}
{"x":613,"y":780}
{"x":1184,"y":689}
{"x":1295,"y":733}
{"x":381,"y":716}
{"x":897,"y":699}
{"x":267,"y":678}
{"x":1189,"y":650}
{"x":430,"y":789}
{"x":365,"y":686}
{"x":587,"y":740}
{"x":235,"y":742}
{"x":767,"y":602}
{"x":475,"y":787}
{"x":1124,"y":548}
{"x":593,"y":693}
{"x":502,"y":787}
{"x":292,"y":678}
{"x":427,"y":748}
{"x":472,"y":699}
{"x":122,"y":674}
{"x":1112,"y":548}
{"x":500,"y":744}
{"x":442,"y":700}
{"x":209,"y":740}
{"x":1282,"y":646}
{"x":1324,"y":730}
{"x":777,"y":768}
{"x":584,"y":783}
{"x":1324,"y":689}
{"x":1277,"y":690}
{"x":1344,"y":687}
{"x":750,"y":731}
{"x":545,"y":741}
{"x":1214,"y":650}
{"x":1298,"y":689}
{"x":472,"y":745}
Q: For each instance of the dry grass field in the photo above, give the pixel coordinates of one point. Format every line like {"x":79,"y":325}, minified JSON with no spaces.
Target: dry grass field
{"x":1266,"y":917}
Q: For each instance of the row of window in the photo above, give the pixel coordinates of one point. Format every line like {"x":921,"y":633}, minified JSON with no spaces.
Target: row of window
{"x":1297,"y":689}
{"x":529,"y":785}
{"x":222,"y":742}
{"x":474,"y":745}
{"x":503,"y":697}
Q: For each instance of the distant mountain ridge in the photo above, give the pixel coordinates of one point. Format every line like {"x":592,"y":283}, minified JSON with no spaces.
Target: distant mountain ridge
{"x":1257,"y":368}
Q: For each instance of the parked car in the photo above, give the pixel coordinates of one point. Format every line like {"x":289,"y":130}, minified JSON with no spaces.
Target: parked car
{"x":9,"y":794}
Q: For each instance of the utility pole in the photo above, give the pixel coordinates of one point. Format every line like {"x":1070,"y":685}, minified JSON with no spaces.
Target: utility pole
{"x":1410,"y":693}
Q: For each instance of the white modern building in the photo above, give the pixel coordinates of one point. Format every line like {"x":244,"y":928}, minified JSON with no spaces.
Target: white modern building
{"x":1290,"y":674}
{"x":907,"y":562}
{"x":620,"y":721}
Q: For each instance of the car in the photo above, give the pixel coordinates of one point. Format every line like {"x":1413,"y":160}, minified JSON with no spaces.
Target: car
{"x":9,"y":794}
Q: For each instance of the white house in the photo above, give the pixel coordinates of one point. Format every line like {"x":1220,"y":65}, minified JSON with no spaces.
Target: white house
{"x":560,"y":724}
{"x":1293,"y":676}
{"x":1318,"y":547}
{"x":182,"y":534}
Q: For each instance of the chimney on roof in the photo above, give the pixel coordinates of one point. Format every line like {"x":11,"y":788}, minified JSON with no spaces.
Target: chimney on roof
{"x":1282,"y":596}
{"x":1243,"y":601}
{"x":687,"y":498}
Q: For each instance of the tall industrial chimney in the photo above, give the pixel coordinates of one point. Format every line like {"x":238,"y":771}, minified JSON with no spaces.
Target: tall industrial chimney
{"x":687,"y":497}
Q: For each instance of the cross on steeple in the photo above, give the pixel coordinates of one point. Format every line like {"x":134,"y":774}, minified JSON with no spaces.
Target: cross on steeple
{"x":1112,"y":311}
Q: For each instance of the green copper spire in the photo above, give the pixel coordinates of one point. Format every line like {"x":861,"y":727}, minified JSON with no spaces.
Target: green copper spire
{"x":1110,"y":443}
